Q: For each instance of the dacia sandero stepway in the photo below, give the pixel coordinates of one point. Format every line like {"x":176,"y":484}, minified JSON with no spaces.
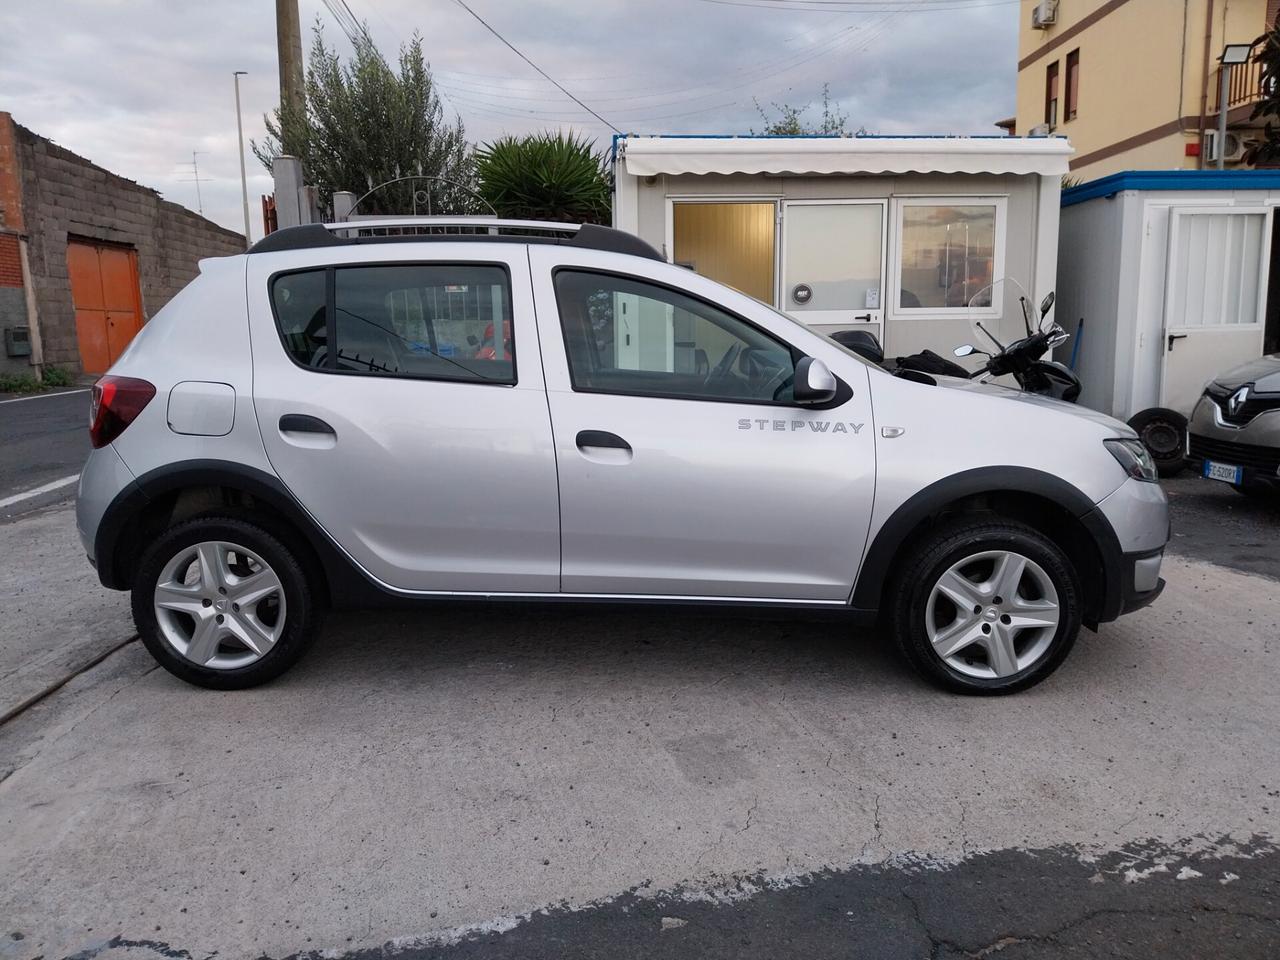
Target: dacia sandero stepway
{"x":330,"y":419}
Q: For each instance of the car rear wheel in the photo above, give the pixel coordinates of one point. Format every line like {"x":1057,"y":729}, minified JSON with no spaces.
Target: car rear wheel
{"x":221,"y":603}
{"x":986,"y":606}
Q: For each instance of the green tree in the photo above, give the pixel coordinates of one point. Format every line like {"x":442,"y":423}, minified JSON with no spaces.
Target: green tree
{"x":790,"y":121}
{"x":1267,"y":52}
{"x":545,"y":176}
{"x":364,"y":124}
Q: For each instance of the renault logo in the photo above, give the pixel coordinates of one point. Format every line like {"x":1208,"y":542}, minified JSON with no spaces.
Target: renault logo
{"x":1237,"y":401}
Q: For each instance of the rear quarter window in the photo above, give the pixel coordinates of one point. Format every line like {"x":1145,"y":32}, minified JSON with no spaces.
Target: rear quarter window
{"x":428,"y":321}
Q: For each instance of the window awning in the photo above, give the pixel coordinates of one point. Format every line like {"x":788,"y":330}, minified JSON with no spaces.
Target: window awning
{"x":649,"y":156}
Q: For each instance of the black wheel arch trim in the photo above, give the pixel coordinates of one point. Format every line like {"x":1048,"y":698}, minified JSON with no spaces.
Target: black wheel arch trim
{"x":884,"y":549}
{"x":347,"y":584}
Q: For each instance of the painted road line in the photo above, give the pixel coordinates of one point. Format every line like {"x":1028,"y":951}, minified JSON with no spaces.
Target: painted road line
{"x":44,"y":396}
{"x":45,"y":488}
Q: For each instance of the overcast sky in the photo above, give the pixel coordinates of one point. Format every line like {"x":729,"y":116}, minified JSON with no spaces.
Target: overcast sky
{"x":137,"y":85}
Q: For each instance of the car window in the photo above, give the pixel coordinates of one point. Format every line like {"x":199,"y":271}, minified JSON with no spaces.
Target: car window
{"x":627,"y":336}
{"x":438,"y":321}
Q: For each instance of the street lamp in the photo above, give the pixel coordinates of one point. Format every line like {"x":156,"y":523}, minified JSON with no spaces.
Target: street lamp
{"x":1233,"y":55}
{"x":244,"y":182}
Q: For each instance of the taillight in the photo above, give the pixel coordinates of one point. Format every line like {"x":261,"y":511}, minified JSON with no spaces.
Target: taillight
{"x":116,"y":403}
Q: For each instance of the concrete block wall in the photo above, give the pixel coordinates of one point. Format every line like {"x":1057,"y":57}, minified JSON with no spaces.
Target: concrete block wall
{"x":65,"y":196}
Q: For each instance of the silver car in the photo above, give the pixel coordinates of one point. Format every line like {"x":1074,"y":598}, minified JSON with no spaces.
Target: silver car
{"x":1234,"y":433}
{"x":540,"y":411}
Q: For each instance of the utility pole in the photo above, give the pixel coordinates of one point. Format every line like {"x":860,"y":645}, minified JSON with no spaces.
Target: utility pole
{"x":289,"y":47}
{"x":244,"y":180}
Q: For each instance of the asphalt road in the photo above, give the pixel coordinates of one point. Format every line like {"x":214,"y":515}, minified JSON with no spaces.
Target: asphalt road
{"x":1211,"y":521}
{"x":45,"y":438}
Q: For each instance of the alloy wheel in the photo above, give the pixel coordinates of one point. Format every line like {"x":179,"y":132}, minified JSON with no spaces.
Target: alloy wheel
{"x":992,"y":614}
{"x":219,"y":605}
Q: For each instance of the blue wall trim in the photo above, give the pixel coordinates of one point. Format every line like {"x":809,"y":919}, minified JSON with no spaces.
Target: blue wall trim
{"x":1172,"y":180}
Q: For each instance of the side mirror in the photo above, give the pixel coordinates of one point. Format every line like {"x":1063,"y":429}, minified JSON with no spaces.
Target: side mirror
{"x":814,"y":382}
{"x":1046,"y":304}
{"x":964,"y":350}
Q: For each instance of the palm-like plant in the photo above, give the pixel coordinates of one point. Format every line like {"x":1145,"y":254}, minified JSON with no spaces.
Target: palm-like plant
{"x":545,"y":176}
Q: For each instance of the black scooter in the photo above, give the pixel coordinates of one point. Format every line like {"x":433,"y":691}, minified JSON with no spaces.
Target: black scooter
{"x":1022,"y":359}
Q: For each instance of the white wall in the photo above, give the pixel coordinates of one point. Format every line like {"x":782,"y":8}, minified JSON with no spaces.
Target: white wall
{"x":641,"y":206}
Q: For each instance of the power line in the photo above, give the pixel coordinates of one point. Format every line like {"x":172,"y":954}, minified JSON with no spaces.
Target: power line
{"x":509,"y":45}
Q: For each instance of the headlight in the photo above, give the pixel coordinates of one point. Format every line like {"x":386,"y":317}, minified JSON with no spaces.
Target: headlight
{"x":1134,"y":458}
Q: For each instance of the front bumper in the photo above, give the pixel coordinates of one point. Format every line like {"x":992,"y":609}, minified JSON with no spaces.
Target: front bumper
{"x":1137,"y":513}
{"x":1254,"y":447}
{"x":1142,"y":582}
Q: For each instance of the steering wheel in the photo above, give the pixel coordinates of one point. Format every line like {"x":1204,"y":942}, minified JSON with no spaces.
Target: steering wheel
{"x":724,"y":365}
{"x":764,"y":376}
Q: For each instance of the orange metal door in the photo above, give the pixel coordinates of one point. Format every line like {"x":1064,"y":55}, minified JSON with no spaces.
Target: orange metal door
{"x":108,"y":305}
{"x":120,"y":297}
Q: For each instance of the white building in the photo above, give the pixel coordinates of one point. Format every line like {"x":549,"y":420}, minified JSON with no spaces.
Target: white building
{"x":901,"y":235}
{"x":1169,"y":270}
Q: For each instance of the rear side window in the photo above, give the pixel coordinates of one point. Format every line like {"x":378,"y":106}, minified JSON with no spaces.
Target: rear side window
{"x":434,"y":321}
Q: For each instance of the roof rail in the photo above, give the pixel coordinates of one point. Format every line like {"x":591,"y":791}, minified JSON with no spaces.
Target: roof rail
{"x":588,"y":236}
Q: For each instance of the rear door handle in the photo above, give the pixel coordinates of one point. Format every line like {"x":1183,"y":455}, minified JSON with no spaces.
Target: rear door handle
{"x":303,"y":423}
{"x":1176,"y":336}
{"x":601,"y":438}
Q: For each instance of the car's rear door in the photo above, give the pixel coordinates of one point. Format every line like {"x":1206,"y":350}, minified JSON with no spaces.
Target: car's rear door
{"x":684,"y":469}
{"x":399,"y":392}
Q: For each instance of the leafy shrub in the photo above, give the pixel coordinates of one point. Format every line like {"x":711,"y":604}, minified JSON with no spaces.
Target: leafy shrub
{"x":545,"y":176}
{"x":29,"y":383}
{"x":57,"y":377}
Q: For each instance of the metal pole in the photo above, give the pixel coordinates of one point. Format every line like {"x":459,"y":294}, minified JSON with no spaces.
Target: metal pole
{"x":244,"y":181}
{"x":1225,"y":71}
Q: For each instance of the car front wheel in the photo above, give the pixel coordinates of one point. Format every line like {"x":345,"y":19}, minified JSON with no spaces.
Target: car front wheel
{"x":986,"y":606}
{"x":223,"y":604}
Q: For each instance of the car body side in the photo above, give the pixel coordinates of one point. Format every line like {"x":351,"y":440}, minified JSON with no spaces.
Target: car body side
{"x":921,"y":451}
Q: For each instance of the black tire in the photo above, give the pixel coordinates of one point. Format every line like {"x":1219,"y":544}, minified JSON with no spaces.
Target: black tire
{"x":302,"y":622}
{"x":1164,"y":433}
{"x":934,"y":555}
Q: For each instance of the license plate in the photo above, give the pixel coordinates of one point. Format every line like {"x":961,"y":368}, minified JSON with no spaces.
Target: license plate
{"x":1223,"y":471}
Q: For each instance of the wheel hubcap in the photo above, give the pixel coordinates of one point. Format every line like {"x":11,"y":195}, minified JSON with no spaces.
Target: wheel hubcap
{"x":993,"y":614}
{"x":219,"y":605}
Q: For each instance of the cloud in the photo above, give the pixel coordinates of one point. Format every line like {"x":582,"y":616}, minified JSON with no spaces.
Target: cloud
{"x":137,"y":86}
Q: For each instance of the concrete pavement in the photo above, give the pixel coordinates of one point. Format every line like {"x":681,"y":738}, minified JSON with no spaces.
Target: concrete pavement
{"x":57,"y":618}
{"x":493,"y":783}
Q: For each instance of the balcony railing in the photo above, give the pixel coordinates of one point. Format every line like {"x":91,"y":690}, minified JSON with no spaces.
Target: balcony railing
{"x":1245,"y":86}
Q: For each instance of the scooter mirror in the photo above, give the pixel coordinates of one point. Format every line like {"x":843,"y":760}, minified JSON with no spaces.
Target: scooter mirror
{"x":1046,"y":304}
{"x":964,"y":350}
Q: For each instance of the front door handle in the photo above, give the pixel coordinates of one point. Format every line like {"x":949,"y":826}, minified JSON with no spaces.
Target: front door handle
{"x":865,"y":317}
{"x":303,"y":423}
{"x":1176,"y":336}
{"x":601,"y":438}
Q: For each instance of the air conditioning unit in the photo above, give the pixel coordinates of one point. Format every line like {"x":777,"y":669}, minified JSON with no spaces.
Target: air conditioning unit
{"x":1044,"y":14}
{"x":1234,"y":149}
{"x":1040,"y":130}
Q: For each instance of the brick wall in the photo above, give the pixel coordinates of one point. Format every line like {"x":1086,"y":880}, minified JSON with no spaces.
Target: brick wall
{"x":64,"y":195}
{"x":10,"y":261}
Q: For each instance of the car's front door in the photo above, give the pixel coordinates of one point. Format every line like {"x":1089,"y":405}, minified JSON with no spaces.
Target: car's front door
{"x":685,"y":470}
{"x":402,"y":403}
